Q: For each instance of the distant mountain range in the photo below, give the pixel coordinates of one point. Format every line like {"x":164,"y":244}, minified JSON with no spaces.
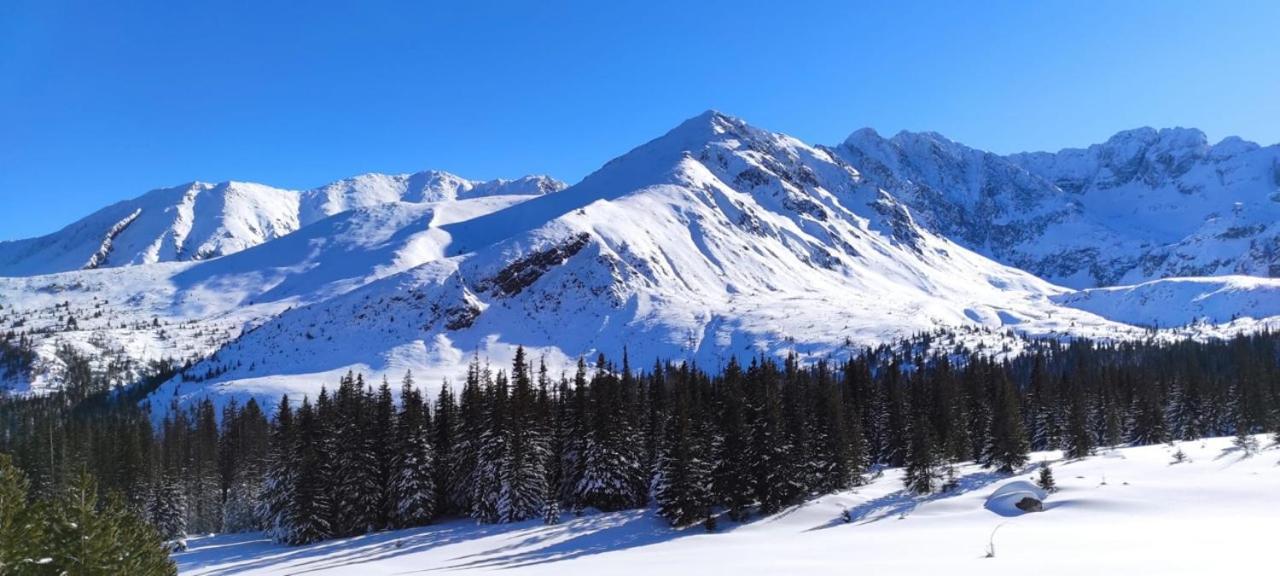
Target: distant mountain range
{"x":716,"y":239}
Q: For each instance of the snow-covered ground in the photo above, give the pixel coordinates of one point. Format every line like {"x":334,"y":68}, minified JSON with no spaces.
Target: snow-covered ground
{"x":1124,"y":511}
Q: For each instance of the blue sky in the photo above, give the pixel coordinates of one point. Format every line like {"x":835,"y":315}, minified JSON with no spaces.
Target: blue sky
{"x":101,"y":101}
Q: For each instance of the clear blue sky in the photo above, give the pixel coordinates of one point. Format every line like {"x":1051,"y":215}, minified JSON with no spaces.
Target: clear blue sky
{"x":101,"y":101}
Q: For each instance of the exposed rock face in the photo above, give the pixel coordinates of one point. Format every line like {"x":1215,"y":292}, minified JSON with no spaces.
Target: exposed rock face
{"x":1144,"y":205}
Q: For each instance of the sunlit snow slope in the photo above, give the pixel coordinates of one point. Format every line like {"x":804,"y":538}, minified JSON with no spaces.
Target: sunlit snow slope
{"x":198,"y":221}
{"x":717,"y":239}
{"x":1126,"y":511}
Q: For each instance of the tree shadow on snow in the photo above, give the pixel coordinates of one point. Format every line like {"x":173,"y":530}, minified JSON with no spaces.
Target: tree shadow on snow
{"x":328,"y":554}
{"x":576,"y":538}
{"x":903,"y":502}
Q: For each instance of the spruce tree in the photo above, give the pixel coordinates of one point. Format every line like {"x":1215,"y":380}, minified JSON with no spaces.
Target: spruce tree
{"x":732,"y":475}
{"x":1008,"y":451}
{"x":87,"y":539}
{"x":523,"y":467}
{"x":1078,"y":440}
{"x":682,"y":487}
{"x":1045,"y":480}
{"x":279,"y":488}
{"x":21,"y":528}
{"x":167,"y":509}
{"x":310,"y":509}
{"x":444,"y":429}
{"x":923,"y":467}
{"x":491,"y":451}
{"x":413,"y":491}
{"x":380,"y":428}
{"x":610,"y":468}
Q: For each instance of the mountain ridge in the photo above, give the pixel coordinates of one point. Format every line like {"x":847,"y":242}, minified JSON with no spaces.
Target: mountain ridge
{"x":714,"y":239}
{"x":199,"y":220}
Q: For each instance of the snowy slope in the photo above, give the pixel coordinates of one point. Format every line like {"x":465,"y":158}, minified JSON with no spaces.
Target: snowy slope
{"x":1181,"y":301}
{"x":716,"y":239}
{"x":1125,"y":511}
{"x":1146,"y":204}
{"x":199,"y":221}
{"x":190,"y":222}
{"x":188,"y":310}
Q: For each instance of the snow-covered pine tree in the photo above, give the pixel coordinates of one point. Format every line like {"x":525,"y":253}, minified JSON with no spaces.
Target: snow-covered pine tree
{"x":167,"y":508}
{"x":464,"y":457}
{"x":575,"y":428}
{"x":975,"y":381}
{"x":895,"y":416}
{"x":280,"y":481}
{"x":412,"y":491}
{"x":380,"y":426}
{"x":204,"y":495}
{"x":443,"y":437}
{"x":1045,"y":479}
{"x":835,"y":468}
{"x":523,"y":468}
{"x":923,"y":465}
{"x":655,"y":422}
{"x":682,"y":486}
{"x":357,"y":493}
{"x":240,"y":511}
{"x":310,"y":507}
{"x":1042,"y":406}
{"x":777,"y":481}
{"x":559,"y":427}
{"x":732,"y":475}
{"x":610,"y":461}
{"x":1146,"y":412}
{"x":487,"y":484}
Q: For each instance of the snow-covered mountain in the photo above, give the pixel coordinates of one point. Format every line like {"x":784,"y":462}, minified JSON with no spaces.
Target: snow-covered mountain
{"x":715,"y":239}
{"x":199,"y":221}
{"x":1146,"y":204}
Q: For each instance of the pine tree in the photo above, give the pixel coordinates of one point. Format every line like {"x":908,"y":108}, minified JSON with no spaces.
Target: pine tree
{"x":280,"y":481}
{"x":380,"y":428}
{"x":1045,"y":479}
{"x":349,"y":438}
{"x":310,"y":509}
{"x":139,"y":548}
{"x":923,"y":466}
{"x":487,"y":485}
{"x":776,"y":480}
{"x":1078,"y":440}
{"x":523,"y":468}
{"x":609,"y":462}
{"x":464,"y":457}
{"x":682,"y":487}
{"x":413,"y":490}
{"x":732,"y":475}
{"x":21,"y":528}
{"x":444,"y":428}
{"x":204,"y":495}
{"x":167,"y":509}
{"x":88,"y":540}
{"x":834,"y":466}
{"x":1008,"y":451}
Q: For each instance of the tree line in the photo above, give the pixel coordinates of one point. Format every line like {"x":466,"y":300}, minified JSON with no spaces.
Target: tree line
{"x":515,"y":443}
